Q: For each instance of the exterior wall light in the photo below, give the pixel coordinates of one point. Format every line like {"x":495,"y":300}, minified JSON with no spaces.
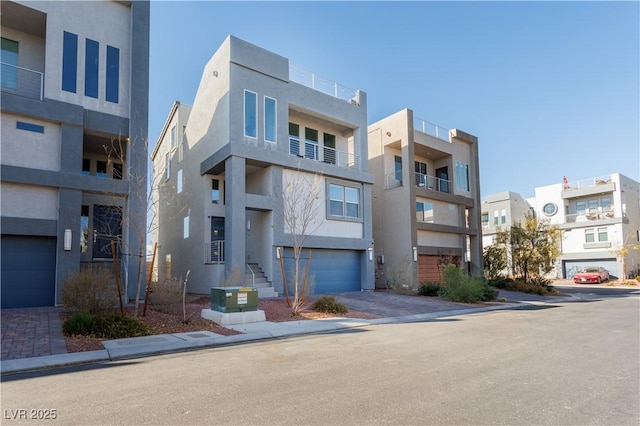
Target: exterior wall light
{"x":68,"y":235}
{"x":415,"y":254}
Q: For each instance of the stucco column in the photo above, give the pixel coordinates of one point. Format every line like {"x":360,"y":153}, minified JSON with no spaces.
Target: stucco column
{"x":235,"y":214}
{"x":68,"y":261}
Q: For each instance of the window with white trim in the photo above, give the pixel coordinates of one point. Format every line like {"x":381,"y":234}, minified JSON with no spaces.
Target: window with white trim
{"x":589,"y":236}
{"x":603,"y":235}
{"x":344,"y":201}
{"x":270,"y":119}
{"x":250,"y":114}
{"x":503,"y":216}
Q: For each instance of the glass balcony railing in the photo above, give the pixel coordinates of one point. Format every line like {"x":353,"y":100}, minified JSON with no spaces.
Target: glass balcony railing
{"x":22,"y":81}
{"x":309,"y":79}
{"x":314,"y":151}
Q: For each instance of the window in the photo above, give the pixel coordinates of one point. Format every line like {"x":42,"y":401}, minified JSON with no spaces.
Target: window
{"x":84,"y":229}
{"x":9,"y":63}
{"x":311,"y":143}
{"x":117,"y":171}
{"x":167,"y":165}
{"x":605,"y":203}
{"x":174,"y":137}
{"x":86,"y":166}
{"x":589,"y":236}
{"x":485,"y":219}
{"x":107,"y":228}
{"x":602,"y":235}
{"x":581,"y":206}
{"x":91,"y":66}
{"x":294,"y":139}
{"x":250,"y":114}
{"x":424,"y":212}
{"x":593,"y":205}
{"x":462,"y":176}
{"x":495,"y":217}
{"x":101,"y":169}
{"x":29,"y":127}
{"x":503,"y":216}
{"x":181,"y":144}
{"x":270,"y":119}
{"x":344,"y":201}
{"x":185,"y":224}
{"x":69,"y":62}
{"x":421,"y":174}
{"x":550,"y":209}
{"x":179,"y":181}
{"x":397,"y":167}
{"x":329,"y":150}
{"x":215,"y":191}
{"x":113,"y":74}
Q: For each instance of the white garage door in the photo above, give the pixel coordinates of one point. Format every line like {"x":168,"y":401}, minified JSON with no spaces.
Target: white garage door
{"x":573,"y":266}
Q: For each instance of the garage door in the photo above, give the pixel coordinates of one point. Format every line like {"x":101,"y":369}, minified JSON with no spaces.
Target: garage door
{"x":573,"y":266}
{"x":28,"y":271}
{"x":333,"y":271}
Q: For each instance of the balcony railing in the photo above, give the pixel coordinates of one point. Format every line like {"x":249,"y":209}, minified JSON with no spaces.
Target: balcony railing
{"x":309,"y":79}
{"x":22,"y":81}
{"x":433,"y":183}
{"x":431,"y":129}
{"x":214,"y":252}
{"x":588,"y":183}
{"x":601,"y":213}
{"x":313,"y":151}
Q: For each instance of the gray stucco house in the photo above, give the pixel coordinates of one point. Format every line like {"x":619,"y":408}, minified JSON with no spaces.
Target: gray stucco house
{"x":75,"y":79}
{"x":258,"y":124}
{"x":426,"y":200}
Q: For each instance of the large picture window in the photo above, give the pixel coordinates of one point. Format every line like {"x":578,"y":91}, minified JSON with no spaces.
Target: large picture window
{"x":250,"y":114}
{"x":270,"y":119}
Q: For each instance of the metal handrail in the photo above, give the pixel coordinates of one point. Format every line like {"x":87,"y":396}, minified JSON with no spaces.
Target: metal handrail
{"x":253,"y":276}
{"x":22,"y":81}
{"x":431,"y":129}
{"x":309,"y":79}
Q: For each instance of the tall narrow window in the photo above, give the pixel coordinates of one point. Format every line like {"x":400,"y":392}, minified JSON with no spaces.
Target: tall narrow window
{"x":503,"y":216}
{"x":174,"y":136}
{"x":421,"y":173}
{"x":311,"y":143}
{"x":294,"y":139}
{"x":86,"y":166}
{"x":250,"y":114}
{"x":352,"y":198}
{"x":179,"y":182}
{"x":181,"y":144}
{"x":329,"y":150}
{"x":84,"y":229}
{"x":186,"y":227}
{"x":589,"y":236}
{"x":113,"y":74}
{"x":270,"y":119}
{"x":101,"y":169}
{"x":397,"y":164}
{"x":167,"y":164}
{"x":495,"y":217}
{"x":462,"y":176}
{"x":215,"y":191}
{"x":69,"y":62}
{"x":9,"y":64}
{"x":602,"y":235}
{"x":91,"y":66}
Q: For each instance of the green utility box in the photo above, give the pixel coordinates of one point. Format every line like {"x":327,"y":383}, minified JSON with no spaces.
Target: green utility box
{"x":234,"y":299}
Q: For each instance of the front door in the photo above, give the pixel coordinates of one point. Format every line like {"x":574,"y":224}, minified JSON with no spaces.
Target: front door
{"x":107,"y":227}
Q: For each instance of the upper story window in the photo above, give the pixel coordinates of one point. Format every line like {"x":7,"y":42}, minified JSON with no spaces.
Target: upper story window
{"x":424,"y":212}
{"x":503,"y":216}
{"x":181,"y":144}
{"x":174,"y":137}
{"x":101,"y":169}
{"x":485,"y":218}
{"x":421,"y":173}
{"x":310,"y":143}
{"x":397,"y":167}
{"x":270,"y":119}
{"x":605,"y":203}
{"x":112,"y":86}
{"x":294,"y":139}
{"x":215,"y":191}
{"x":462,"y":176}
{"x":9,"y":64}
{"x":91,"y":67}
{"x":250,"y":114}
{"x":581,"y":207}
{"x":167,"y":165}
{"x":179,"y":182}
{"x":329,"y":150}
{"x":550,"y":209}
{"x":69,"y":62}
{"x":344,"y":201}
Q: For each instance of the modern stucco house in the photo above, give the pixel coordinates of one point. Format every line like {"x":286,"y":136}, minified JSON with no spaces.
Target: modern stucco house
{"x":257,"y":125}
{"x":500,"y":211}
{"x":426,"y":200}
{"x":598,"y":216}
{"x":74,"y":142}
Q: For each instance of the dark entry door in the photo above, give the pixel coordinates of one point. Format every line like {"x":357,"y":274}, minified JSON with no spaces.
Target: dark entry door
{"x":217,"y":239}
{"x":443,"y":179}
{"x":107,"y":227}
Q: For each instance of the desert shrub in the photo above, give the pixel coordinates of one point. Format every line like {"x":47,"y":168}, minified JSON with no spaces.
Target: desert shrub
{"x":539,"y":286}
{"x":464,"y":288}
{"x":330,"y":305}
{"x":429,"y":288}
{"x":166,"y":294}
{"x":637,"y":277}
{"x":400,"y":278}
{"x":90,"y":290}
{"x":502,"y":283}
{"x":78,"y":323}
{"x":115,"y":326}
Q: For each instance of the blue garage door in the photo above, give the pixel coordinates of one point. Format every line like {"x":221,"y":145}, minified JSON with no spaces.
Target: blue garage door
{"x":333,"y":271}
{"x":28,"y":271}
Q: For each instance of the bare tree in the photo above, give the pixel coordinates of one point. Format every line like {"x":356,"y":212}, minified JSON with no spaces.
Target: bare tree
{"x":301,"y":204}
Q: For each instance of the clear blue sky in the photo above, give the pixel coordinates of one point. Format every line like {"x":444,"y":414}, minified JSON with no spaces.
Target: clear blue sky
{"x":550,"y":88}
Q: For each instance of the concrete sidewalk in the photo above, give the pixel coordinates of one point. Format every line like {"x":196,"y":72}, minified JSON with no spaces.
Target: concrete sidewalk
{"x":394,"y":309}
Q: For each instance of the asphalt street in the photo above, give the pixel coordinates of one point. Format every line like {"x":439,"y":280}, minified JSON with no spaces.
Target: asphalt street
{"x":570,"y":363}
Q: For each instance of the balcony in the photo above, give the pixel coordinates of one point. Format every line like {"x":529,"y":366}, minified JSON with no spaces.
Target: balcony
{"x":22,"y":81}
{"x":214,"y":252}
{"x":325,"y":154}
{"x":587,"y":187}
{"x":601,"y":213}
{"x":432,"y":183}
{"x":431,"y":129}
{"x":331,"y":88}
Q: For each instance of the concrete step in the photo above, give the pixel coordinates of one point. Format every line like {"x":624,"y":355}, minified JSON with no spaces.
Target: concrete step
{"x":266,"y":293}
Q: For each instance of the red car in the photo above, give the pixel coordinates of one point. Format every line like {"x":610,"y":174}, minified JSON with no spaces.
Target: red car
{"x":591,"y":274}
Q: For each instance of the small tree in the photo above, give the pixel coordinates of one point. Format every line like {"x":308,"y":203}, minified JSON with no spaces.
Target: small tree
{"x":301,"y":195}
{"x":622,"y":250}
{"x":533,"y":246}
{"x":495,"y":261}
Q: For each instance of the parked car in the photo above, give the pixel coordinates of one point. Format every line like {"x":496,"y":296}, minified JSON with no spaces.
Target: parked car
{"x":591,"y":274}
